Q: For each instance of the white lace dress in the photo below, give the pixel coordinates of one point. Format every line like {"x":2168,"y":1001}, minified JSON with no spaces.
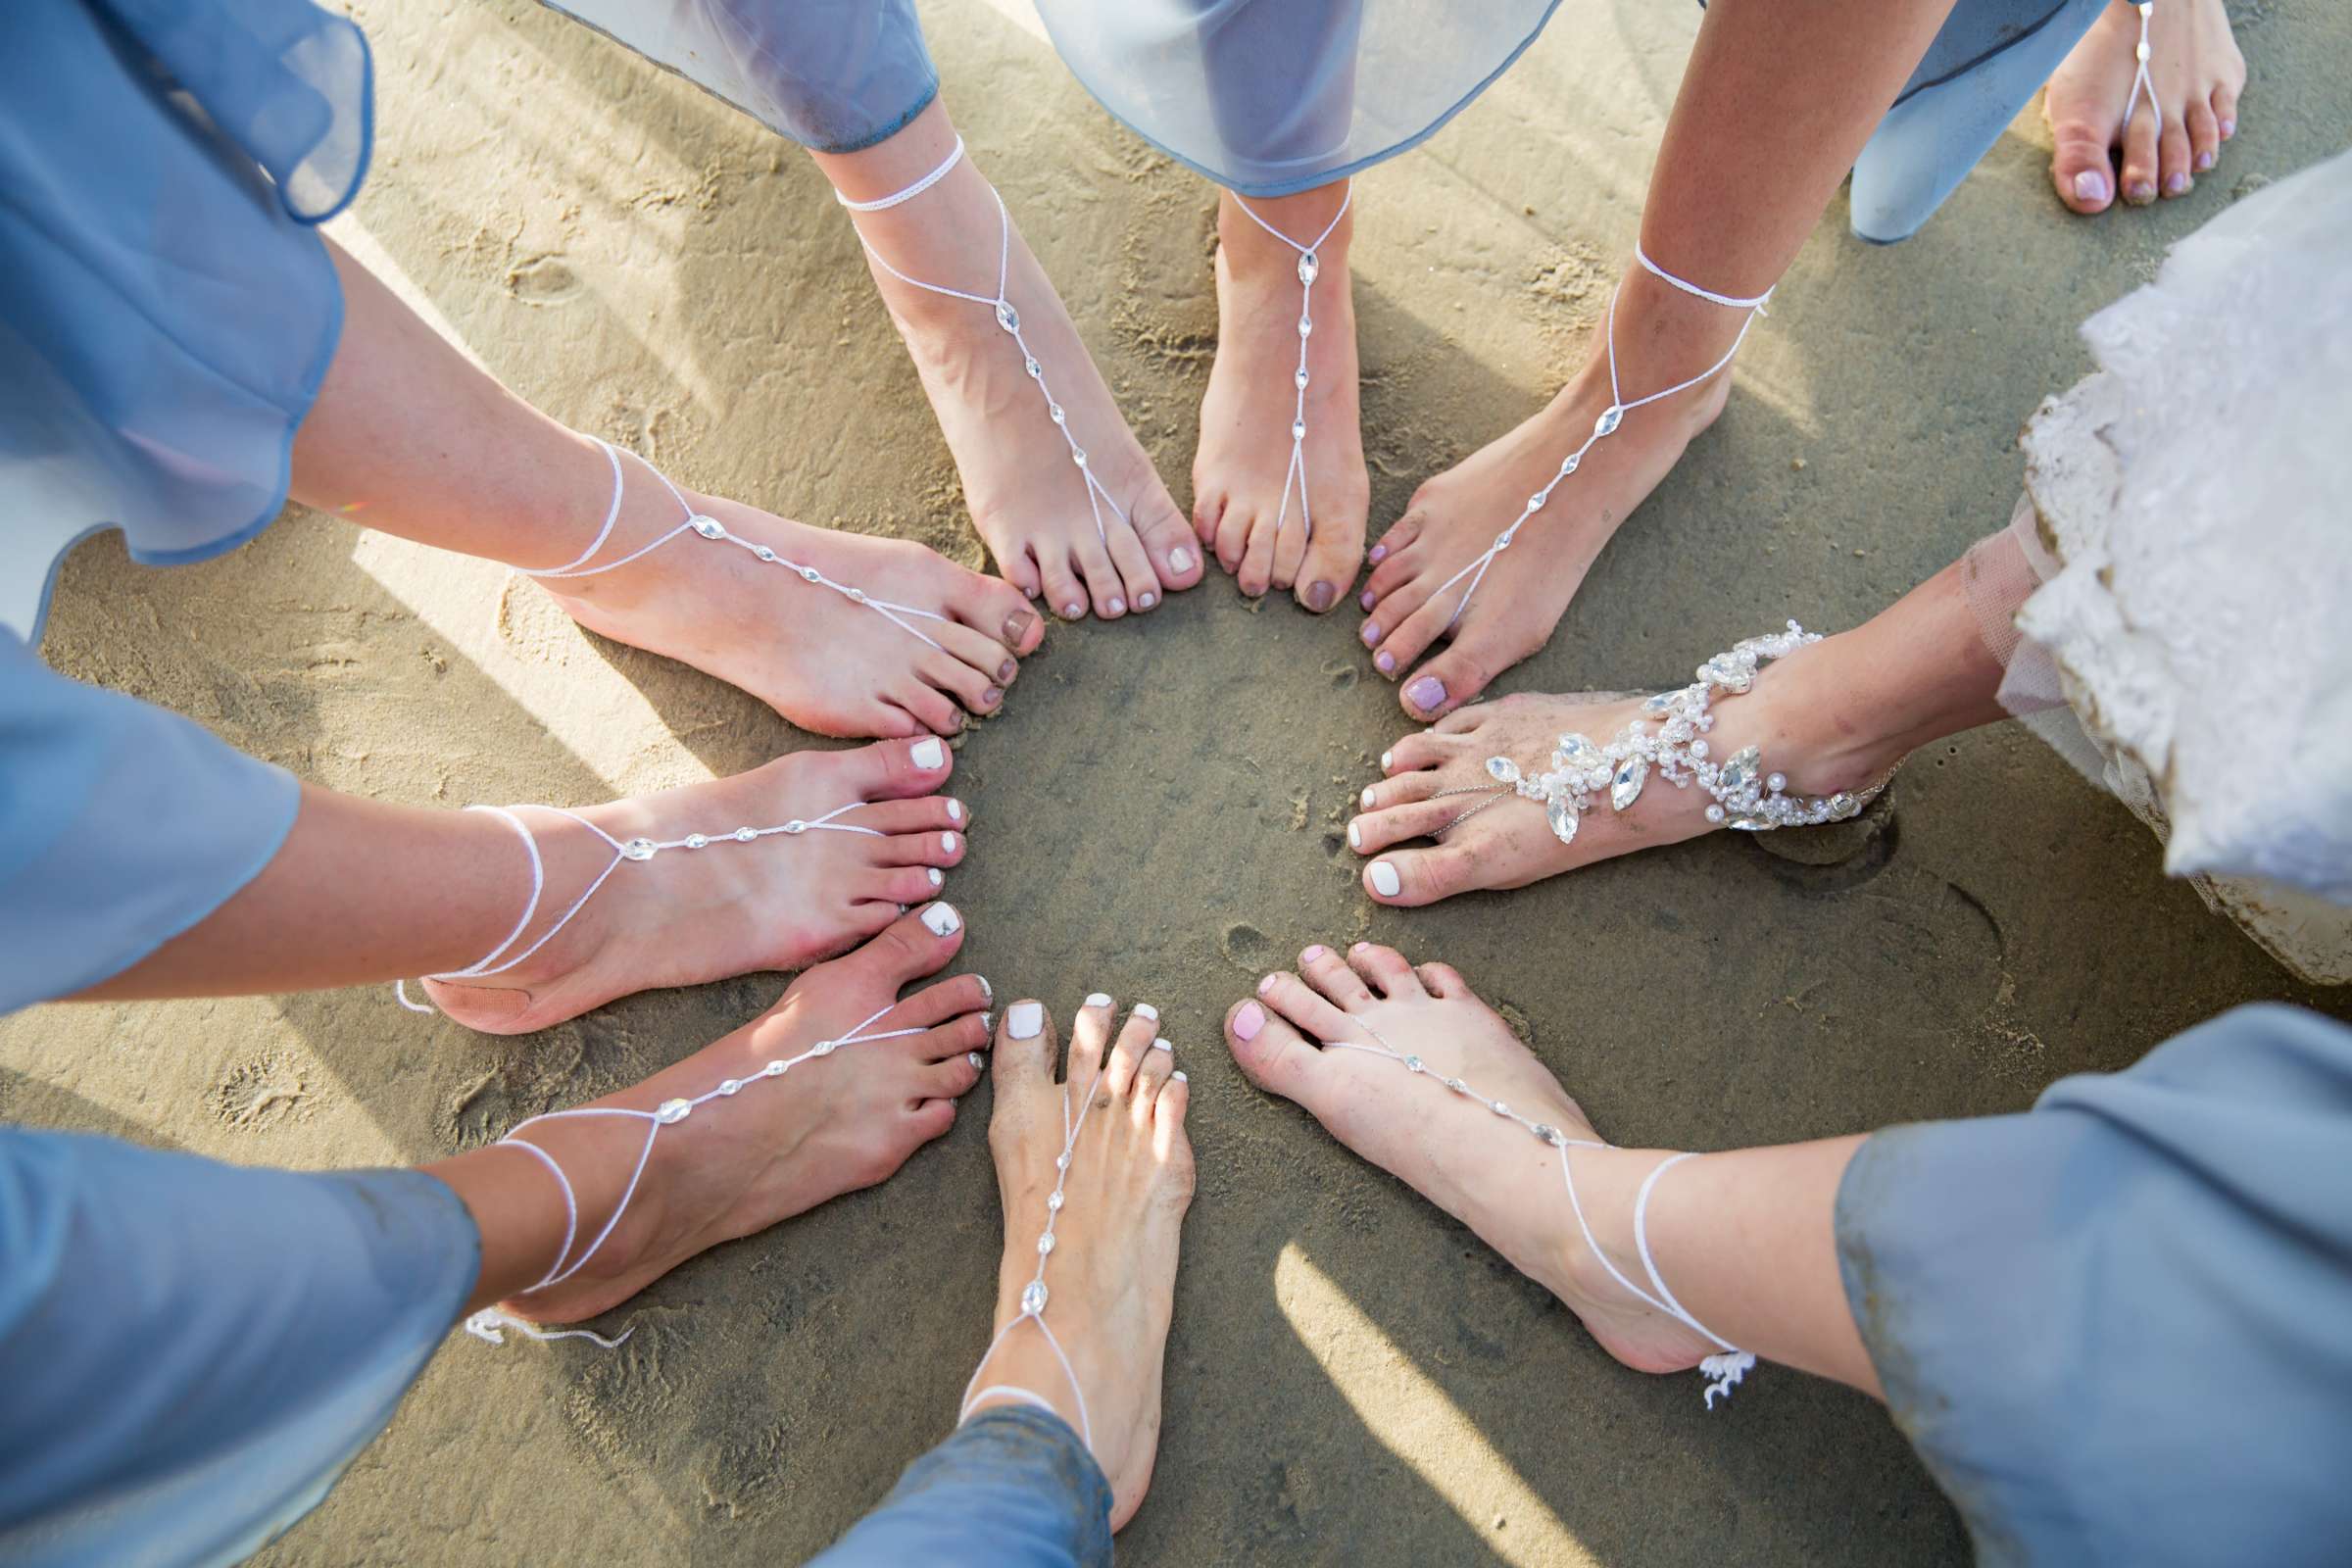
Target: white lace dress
{"x":2196,"y":496}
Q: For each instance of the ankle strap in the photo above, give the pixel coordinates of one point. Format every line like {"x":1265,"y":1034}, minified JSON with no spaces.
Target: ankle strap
{"x":1756,"y":303}
{"x":883,"y":202}
{"x":1313,"y":245}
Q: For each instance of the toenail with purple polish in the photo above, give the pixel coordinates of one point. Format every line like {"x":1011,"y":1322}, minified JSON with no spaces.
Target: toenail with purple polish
{"x":1370,"y":633}
{"x":1386,"y":663}
{"x":2229,"y":128}
{"x":1367,"y":598}
{"x":1380,"y":553}
{"x":2090,"y":186}
{"x":1249,"y":1021}
{"x":1426,"y":693}
{"x":2175,"y":184}
{"x":1320,"y":596}
{"x":992,"y":697}
{"x":2204,"y":161}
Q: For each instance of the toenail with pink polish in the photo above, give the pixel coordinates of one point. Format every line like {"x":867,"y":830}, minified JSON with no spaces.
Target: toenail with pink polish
{"x":1265,"y":985}
{"x":1426,"y":693}
{"x":1249,"y":1021}
{"x":1311,"y":954}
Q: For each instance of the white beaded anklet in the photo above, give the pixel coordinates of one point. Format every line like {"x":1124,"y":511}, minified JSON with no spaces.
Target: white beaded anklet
{"x":1722,"y":1370}
{"x":637,"y":849}
{"x":707,"y":527}
{"x":1035,"y":1293}
{"x":1311,"y":267}
{"x":486,"y":1324}
{"x":2141,"y":81}
{"x":1007,"y":317}
{"x":1746,"y":797}
{"x":1610,"y":418}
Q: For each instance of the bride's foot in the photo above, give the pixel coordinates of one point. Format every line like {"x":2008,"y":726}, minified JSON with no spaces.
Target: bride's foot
{"x":1110,"y":1274}
{"x":1248,"y":505}
{"x":822,"y":659}
{"x":1501,"y":1181}
{"x":688,"y":915}
{"x":1051,"y":534}
{"x":1795,"y":715}
{"x":829,"y":1125}
{"x":1426,"y":560}
{"x":2197,"y":73}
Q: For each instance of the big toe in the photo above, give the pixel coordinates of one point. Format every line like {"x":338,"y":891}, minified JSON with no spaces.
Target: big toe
{"x":2084,"y":116}
{"x":1168,"y":539}
{"x":1329,"y":570}
{"x":1272,"y":1054}
{"x":908,"y":948}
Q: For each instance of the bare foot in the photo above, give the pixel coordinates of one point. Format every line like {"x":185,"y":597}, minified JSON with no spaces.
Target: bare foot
{"x":829,"y":1125}
{"x":1251,"y":506}
{"x":1051,"y":534}
{"x":1425,"y":564}
{"x":1110,"y":1273}
{"x":687,"y":915}
{"x":1502,"y":1182}
{"x":2197,"y":74}
{"x":1798,"y":726}
{"x":825,"y":662}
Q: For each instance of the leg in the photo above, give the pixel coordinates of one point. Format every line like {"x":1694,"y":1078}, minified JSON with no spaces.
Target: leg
{"x":1011,"y":1487}
{"x":1834,"y":717}
{"x":409,"y":437}
{"x":1103,"y":531}
{"x":1776,"y":102}
{"x":2177,"y":120}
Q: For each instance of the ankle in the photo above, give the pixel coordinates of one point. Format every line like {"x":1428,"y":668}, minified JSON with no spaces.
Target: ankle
{"x":1663,"y":336}
{"x":1608,"y":1181}
{"x":1821,"y":726}
{"x":1306,"y":218}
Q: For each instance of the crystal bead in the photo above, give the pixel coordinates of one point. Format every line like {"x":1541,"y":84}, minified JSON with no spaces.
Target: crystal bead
{"x":709,"y":528}
{"x":1739,"y":770}
{"x":2140,"y":52}
{"x":1777,"y":783}
{"x":1035,"y":368}
{"x":1057,"y":413}
{"x":744,"y":835}
{"x":1062,"y":1162}
{"x":1551,"y":1134}
{"x":813,"y":574}
{"x":1413,"y":1064}
{"x":1568,"y":463}
{"x":1843,"y":806}
{"x":858,"y":596}
{"x":774,"y":1070}
{"x":639,"y":848}
{"x":1033,"y":1299}
{"x":1045,"y":1242}
{"x":1078,"y":455}
{"x":1310,"y":265}
{"x":1053,"y":1202}
{"x":731,"y":1086}
{"x":795,"y":827}
{"x":1007,"y":316}
{"x":1297,"y":430}
{"x":1306,"y":329}
{"x":1502,"y":769}
{"x":1750,"y":824}
{"x":1626,"y":787}
{"x":1561,"y":815}
{"x":1500,"y":1108}
{"x":764,"y":553}
{"x":1299,"y":381}
{"x":1535,"y":503}
{"x":672,"y":1112}
{"x":1660,"y":702}
{"x":1610,"y":418}
{"x":1576,"y":752}
{"x":823,"y":1047}
{"x":1457,"y":1086}
{"x":695,"y":841}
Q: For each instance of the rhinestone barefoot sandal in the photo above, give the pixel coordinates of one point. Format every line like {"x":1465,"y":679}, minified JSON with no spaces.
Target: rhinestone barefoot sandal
{"x":1728,"y":1364}
{"x":1310,"y":267}
{"x":1670,"y":738}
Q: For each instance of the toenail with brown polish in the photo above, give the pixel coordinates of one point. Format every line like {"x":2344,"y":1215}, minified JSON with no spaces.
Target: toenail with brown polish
{"x":1320,"y":596}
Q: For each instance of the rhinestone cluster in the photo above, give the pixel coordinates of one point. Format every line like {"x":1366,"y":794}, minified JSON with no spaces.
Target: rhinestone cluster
{"x":1669,"y":739}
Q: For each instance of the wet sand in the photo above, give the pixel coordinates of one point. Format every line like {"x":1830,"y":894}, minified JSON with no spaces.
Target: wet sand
{"x":1353,"y":1378}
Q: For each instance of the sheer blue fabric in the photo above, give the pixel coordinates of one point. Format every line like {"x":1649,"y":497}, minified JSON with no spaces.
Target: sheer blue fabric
{"x":2115,"y":1326}
{"x":166,"y":312}
{"x":835,"y":76}
{"x":121,"y":827}
{"x":192,"y":1352}
{"x":1271,"y":97}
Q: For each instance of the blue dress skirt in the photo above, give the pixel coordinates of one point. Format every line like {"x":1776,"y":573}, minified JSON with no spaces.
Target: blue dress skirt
{"x":167,"y":316}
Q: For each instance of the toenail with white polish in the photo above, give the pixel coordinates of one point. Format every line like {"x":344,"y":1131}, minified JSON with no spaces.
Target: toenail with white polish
{"x":1179,"y":1077}
{"x":1384,"y":760}
{"x":2090,"y":186}
{"x":1180,"y":559}
{"x":938,"y":878}
{"x":987,"y":993}
{"x":941,"y":920}
{"x":1144,"y":1009}
{"x":1162,"y":1045}
{"x":1098,"y":1000}
{"x":1366,"y":797}
{"x":928,"y":753}
{"x":954,"y":810}
{"x":1146,"y":601}
{"x":946,"y":842}
{"x":988,"y":1022}
{"x":1023,"y":1019}
{"x":1385,"y":881}
{"x":1118,"y":606}
{"x":1073,"y":610}
{"x":1356,"y":835}
{"x":976,"y":1060}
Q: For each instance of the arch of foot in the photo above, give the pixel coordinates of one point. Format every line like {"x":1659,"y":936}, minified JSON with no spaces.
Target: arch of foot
{"x":1310,"y":267}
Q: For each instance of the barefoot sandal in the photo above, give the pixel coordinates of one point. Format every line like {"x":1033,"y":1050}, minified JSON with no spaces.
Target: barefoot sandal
{"x":1311,"y":267}
{"x":1746,"y":797}
{"x":2141,"y":81}
{"x":1033,"y":1293}
{"x":1724,"y":1369}
{"x":637,"y":849}
{"x":1610,"y":418}
{"x":1097,"y":496}
{"x":707,"y":527}
{"x":487,"y":1323}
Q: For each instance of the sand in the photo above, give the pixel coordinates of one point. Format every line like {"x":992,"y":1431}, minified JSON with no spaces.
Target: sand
{"x":1353,"y":1378}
